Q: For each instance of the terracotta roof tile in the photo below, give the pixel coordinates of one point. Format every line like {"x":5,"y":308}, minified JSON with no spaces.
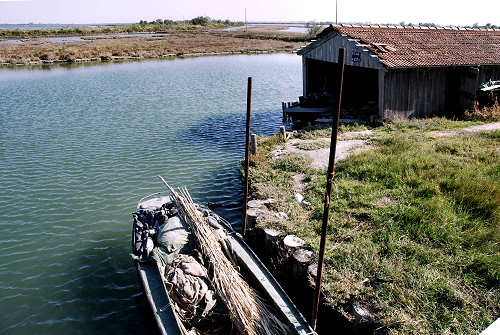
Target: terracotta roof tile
{"x":422,"y":47}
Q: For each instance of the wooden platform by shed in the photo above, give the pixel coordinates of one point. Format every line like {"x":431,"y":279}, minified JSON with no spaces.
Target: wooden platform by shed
{"x":403,"y":72}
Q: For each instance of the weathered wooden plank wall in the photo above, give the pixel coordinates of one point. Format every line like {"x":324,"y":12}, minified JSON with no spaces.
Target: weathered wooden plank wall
{"x":488,"y":72}
{"x":328,"y":51}
{"x":468,"y":85}
{"x":415,"y":93}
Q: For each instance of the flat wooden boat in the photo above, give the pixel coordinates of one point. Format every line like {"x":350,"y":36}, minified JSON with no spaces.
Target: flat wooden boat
{"x":152,"y":278}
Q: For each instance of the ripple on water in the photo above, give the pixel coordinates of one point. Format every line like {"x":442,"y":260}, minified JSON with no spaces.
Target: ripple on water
{"x":80,"y":145}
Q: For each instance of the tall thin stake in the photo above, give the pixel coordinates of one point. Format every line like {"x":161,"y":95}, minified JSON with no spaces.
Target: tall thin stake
{"x":336,"y":6}
{"x":247,"y":152}
{"x":328,"y":193}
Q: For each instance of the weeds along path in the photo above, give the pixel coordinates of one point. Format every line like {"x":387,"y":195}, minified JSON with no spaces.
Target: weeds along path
{"x":318,"y":150}
{"x":472,"y":129}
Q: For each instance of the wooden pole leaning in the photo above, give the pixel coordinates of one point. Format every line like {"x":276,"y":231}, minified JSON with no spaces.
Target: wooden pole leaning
{"x":247,"y":153}
{"x":328,"y":192}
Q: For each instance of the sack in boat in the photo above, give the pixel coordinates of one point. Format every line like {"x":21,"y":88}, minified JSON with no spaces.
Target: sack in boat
{"x":174,"y":235}
{"x":190,"y":287}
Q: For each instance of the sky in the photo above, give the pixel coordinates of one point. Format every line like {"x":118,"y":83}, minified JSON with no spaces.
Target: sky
{"x":442,"y":12}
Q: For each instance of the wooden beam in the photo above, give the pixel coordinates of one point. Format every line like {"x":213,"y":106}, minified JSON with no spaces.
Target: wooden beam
{"x":381,"y":84}
{"x":304,"y":76}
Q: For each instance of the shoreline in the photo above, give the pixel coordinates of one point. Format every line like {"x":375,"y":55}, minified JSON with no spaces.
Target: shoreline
{"x":118,"y":59}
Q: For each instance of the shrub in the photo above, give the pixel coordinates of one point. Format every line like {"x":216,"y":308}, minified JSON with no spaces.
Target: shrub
{"x":486,"y":113}
{"x":201,"y":20}
{"x":313,"y":30}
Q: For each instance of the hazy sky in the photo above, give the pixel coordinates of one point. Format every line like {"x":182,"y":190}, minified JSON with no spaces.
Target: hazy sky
{"x":444,"y":12}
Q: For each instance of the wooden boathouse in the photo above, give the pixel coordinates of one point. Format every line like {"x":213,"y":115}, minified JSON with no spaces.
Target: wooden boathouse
{"x":402,"y":72}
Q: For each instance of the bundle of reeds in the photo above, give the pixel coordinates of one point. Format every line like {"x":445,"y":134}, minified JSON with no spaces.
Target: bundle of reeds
{"x":248,"y":312}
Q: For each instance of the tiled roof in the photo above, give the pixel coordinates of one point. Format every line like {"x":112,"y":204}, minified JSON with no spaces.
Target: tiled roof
{"x":400,"y":47}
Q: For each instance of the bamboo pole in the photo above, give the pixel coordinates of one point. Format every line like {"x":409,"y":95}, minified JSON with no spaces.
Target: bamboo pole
{"x":328,"y":192}
{"x":247,"y":150}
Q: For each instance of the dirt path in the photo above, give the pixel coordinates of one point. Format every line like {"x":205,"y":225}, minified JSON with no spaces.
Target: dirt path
{"x":349,"y":143}
{"x":472,"y":129}
{"x":319,"y":157}
{"x":318,"y":149}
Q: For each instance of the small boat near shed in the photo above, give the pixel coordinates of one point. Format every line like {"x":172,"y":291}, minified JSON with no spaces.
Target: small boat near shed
{"x":200,"y":277}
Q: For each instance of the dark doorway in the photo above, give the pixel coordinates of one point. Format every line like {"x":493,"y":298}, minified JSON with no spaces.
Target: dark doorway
{"x":359,"y":93}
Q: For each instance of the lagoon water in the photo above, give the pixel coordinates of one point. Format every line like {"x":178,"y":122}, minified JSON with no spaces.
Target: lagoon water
{"x":41,"y":26}
{"x":80,"y":145}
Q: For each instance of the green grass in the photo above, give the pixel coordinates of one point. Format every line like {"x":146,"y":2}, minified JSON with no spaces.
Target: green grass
{"x":427,"y":125}
{"x":417,"y":216}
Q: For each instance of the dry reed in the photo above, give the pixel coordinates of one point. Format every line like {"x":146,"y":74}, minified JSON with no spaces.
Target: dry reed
{"x":248,"y":312}
{"x":484,"y":113}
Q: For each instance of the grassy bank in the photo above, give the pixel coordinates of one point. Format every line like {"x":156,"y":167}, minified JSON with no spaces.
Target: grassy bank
{"x":416,"y":228}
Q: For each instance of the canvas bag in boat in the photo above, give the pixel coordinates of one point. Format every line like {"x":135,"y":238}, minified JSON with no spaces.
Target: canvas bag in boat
{"x":174,"y":235}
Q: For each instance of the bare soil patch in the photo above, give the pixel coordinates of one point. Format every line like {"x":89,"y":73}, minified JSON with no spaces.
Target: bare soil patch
{"x":319,"y":157}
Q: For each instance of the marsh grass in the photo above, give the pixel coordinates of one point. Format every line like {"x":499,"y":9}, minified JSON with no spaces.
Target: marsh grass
{"x":172,"y":44}
{"x":415,"y":225}
{"x":114,"y":29}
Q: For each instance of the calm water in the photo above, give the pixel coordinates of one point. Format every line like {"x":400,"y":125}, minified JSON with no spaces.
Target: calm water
{"x":80,"y":145}
{"x":64,"y":39}
{"x":302,"y":30}
{"x":48,"y":26}
{"x":89,"y":38}
{"x":295,"y":28}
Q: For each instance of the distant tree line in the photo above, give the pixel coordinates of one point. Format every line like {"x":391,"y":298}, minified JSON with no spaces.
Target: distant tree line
{"x":314,"y":27}
{"x":487,"y":25}
{"x":199,"y":21}
{"x":426,"y":24}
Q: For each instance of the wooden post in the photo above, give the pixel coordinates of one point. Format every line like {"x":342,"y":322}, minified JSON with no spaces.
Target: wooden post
{"x":247,"y":149}
{"x":253,"y":144}
{"x":283,"y":132}
{"x":301,"y":259}
{"x":252,"y":215}
{"x":304,"y":76}
{"x":283,"y":108}
{"x":271,"y":238}
{"x":328,"y":193}
{"x":381,"y":75}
